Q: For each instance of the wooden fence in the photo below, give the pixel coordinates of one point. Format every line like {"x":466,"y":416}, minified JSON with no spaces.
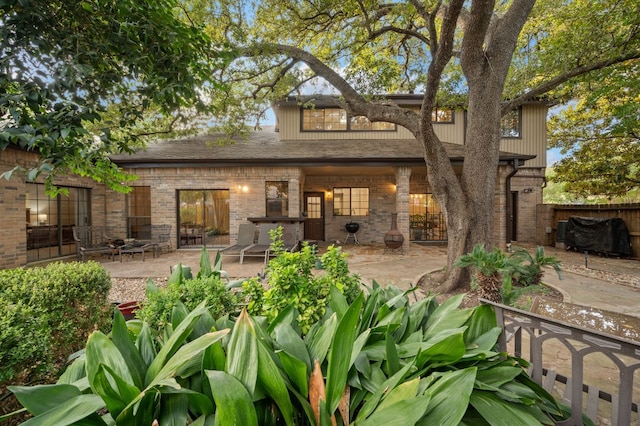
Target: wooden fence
{"x":549,"y":215}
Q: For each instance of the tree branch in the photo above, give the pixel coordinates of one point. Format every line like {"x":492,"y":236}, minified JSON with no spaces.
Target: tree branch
{"x":563,"y":78}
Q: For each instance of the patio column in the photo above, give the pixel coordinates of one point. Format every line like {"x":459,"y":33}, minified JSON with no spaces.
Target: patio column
{"x":403,"y":175}
{"x":294,"y":198}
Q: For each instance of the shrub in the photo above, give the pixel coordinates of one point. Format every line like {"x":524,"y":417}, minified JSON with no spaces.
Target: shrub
{"x":183,"y":289}
{"x":378,"y":360}
{"x":160,"y":303}
{"x":291,"y":283}
{"x":48,"y":313}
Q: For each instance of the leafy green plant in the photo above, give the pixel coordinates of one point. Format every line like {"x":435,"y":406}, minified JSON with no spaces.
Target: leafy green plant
{"x":183,"y":288}
{"x":379,"y":359}
{"x":48,"y":312}
{"x":291,"y":282}
{"x":502,"y":277}
{"x":533,"y":271}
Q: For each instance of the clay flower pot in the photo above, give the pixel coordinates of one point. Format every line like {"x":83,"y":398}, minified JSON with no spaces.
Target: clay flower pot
{"x":128,"y":309}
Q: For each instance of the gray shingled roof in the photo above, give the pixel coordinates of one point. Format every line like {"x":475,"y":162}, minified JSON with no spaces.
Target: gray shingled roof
{"x":265,"y":147}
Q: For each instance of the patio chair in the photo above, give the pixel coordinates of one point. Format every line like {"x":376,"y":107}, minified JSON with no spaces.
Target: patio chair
{"x":261,"y":248}
{"x":246,"y":237}
{"x":92,"y":239}
{"x":161,"y":238}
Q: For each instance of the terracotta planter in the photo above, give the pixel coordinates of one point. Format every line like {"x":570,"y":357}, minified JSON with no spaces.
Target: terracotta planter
{"x":128,"y":309}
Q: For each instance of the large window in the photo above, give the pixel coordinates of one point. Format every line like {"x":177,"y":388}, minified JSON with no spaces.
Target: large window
{"x":139,"y":218}
{"x":336,"y":119}
{"x":50,"y":221}
{"x":277,"y":199}
{"x":351,"y":201}
{"x":510,"y":125}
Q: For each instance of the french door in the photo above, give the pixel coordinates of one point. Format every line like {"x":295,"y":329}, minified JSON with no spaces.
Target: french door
{"x":203,"y":217}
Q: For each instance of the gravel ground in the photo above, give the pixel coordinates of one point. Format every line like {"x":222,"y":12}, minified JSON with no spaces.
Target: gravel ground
{"x":128,"y":289}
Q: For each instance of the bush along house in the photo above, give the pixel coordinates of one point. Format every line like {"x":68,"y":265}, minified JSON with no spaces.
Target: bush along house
{"x":317,"y":167}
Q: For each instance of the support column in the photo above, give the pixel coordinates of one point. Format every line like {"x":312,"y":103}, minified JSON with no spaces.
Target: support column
{"x":403,"y":175}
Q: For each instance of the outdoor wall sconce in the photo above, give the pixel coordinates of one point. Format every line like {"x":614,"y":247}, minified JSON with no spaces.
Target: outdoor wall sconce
{"x":528,"y":190}
{"x":243,"y":188}
{"x":329,"y":194}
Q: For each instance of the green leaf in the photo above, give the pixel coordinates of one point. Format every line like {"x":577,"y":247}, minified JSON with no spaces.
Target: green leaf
{"x":68,"y":412}
{"x":340,"y":354}
{"x":41,"y":398}
{"x":242,"y":353}
{"x":321,"y":340}
{"x":271,"y":380}
{"x":338,"y":302}
{"x":187,"y":360}
{"x":373,"y":400}
{"x":449,"y":398}
{"x":292,"y":343}
{"x":174,"y":410}
{"x":115,"y":392}
{"x":101,"y":350}
{"x":399,"y":413}
{"x":497,"y":411}
{"x":233,"y":402}
{"x":296,"y":370}
{"x":392,"y":361}
{"x":447,"y":316}
{"x":122,"y":340}
{"x":179,"y":335}
{"x":205,"y":263}
{"x":144,"y":342}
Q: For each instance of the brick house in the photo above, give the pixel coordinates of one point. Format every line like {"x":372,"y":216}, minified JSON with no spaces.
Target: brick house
{"x":317,"y":167}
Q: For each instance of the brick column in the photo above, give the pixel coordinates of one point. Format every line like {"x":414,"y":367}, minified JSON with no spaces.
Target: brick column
{"x":403,"y":175}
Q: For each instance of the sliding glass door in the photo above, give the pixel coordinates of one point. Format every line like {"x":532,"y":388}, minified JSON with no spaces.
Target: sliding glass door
{"x":203,"y":217}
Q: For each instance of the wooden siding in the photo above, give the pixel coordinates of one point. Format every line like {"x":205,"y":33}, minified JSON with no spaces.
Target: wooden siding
{"x":534,"y":136}
{"x":289,"y":128}
{"x":533,"y":140}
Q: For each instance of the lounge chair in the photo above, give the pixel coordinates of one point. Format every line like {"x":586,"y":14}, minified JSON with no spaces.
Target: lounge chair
{"x":92,"y":239}
{"x":246,"y":237}
{"x":261,"y":248}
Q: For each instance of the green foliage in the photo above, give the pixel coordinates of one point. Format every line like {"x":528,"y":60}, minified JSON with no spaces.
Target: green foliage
{"x":379,"y":360}
{"x":184,"y":290}
{"x":81,"y":80}
{"x":47,"y":315}
{"x":291,"y":283}
{"x":512,"y":275}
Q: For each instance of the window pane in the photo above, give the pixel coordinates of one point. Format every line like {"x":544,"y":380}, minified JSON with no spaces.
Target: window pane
{"x":140,"y":213}
{"x":359,"y":201}
{"x":351,"y":201}
{"x":277,"y":198}
{"x":510,"y":124}
{"x":442,"y":115}
{"x":341,"y":202}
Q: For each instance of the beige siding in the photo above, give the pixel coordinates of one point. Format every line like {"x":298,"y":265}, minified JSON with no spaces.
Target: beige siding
{"x":289,"y":125}
{"x":534,"y":136}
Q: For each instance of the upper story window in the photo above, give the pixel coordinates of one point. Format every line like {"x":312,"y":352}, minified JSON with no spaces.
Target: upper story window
{"x":442,"y":115}
{"x":351,"y":201}
{"x":511,"y":124}
{"x":277,"y":197}
{"x":336,"y":119}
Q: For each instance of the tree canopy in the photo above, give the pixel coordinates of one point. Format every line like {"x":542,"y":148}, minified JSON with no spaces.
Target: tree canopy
{"x":82,"y":79}
{"x":490,"y":56}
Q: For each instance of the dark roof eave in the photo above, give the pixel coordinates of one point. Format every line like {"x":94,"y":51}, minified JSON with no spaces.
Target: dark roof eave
{"x":300,"y":162}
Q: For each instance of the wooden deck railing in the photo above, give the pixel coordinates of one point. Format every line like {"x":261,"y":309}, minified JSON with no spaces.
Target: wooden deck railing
{"x":525,"y":329}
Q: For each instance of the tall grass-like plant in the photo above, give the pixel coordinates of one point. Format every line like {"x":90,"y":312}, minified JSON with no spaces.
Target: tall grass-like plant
{"x":375,"y":361}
